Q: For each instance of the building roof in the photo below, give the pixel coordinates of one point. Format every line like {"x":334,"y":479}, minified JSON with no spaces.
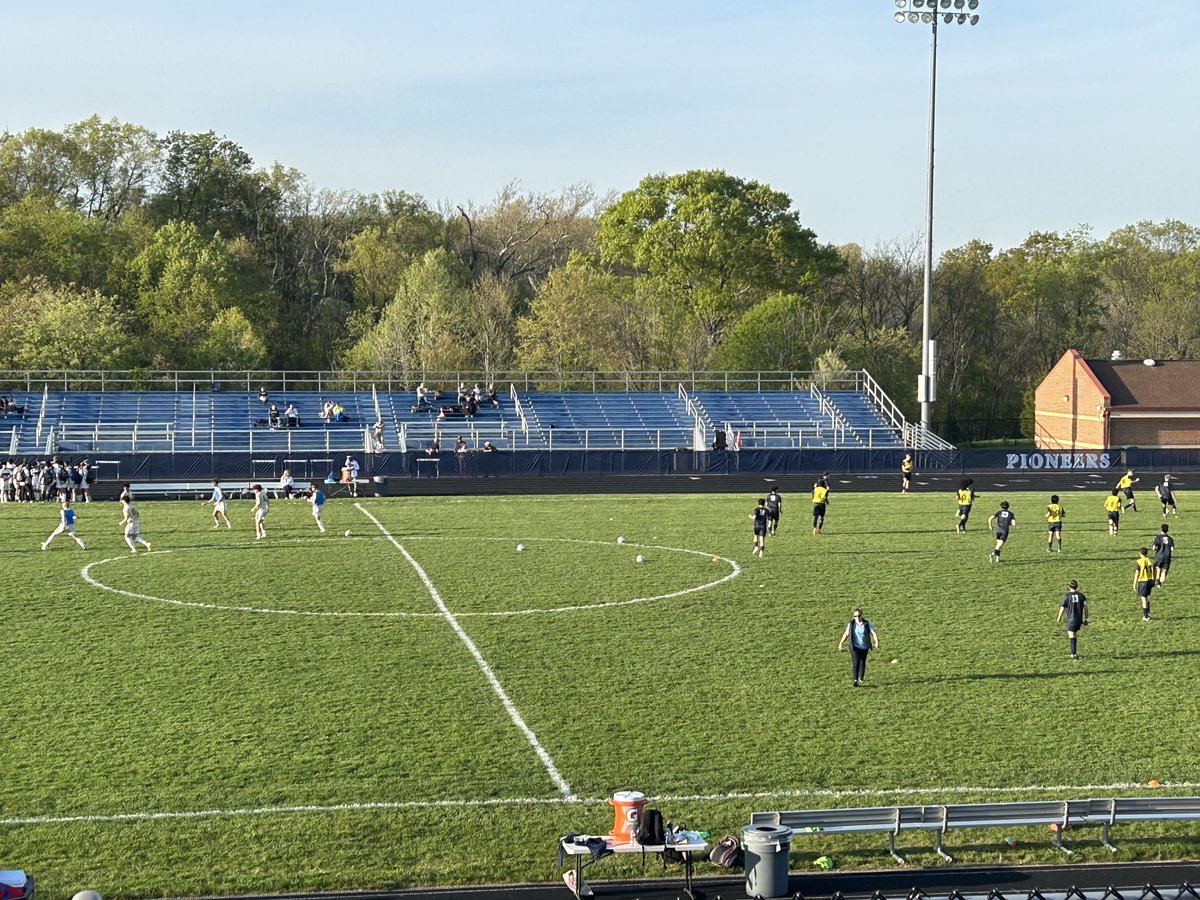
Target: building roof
{"x":1167,"y":385}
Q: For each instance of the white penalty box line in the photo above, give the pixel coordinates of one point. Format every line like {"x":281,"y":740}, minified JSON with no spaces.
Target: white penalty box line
{"x":489,"y":674}
{"x":739,"y":796}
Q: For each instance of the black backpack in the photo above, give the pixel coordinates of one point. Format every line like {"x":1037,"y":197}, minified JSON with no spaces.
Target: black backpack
{"x":727,"y":853}
{"x":650,"y":828}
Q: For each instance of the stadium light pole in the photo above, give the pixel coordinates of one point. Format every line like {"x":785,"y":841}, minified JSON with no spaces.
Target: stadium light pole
{"x":927,"y":12}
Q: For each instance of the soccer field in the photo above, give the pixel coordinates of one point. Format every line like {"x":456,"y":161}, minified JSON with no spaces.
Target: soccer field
{"x":306,"y":712}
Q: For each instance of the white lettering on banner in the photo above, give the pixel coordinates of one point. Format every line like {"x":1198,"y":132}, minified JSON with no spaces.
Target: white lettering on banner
{"x":1057,"y":461}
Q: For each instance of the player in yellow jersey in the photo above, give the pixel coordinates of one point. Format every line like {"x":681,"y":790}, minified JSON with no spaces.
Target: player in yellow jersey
{"x":1125,"y":486}
{"x":1112,"y":505}
{"x":906,"y":473}
{"x":1143,"y":580}
{"x":965,"y":498}
{"x":1054,"y":517}
{"x":820,"y":500}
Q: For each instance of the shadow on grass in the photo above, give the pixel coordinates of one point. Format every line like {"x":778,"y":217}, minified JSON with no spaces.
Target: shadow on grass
{"x":1016,"y":676}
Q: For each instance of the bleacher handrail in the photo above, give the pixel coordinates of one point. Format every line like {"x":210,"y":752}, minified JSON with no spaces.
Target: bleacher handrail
{"x":1060,"y":815}
{"x":282,"y":381}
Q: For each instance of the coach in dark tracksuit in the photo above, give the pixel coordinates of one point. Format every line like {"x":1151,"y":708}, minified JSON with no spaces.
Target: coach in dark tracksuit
{"x":863,"y":639}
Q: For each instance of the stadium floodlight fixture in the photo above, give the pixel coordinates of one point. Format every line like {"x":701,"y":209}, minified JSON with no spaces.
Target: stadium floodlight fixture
{"x":927,"y":383}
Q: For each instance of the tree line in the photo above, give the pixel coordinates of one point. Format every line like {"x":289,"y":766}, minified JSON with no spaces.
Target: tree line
{"x":122,"y":249}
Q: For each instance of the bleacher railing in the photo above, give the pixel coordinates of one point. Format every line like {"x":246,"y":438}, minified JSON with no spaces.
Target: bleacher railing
{"x":249,"y":381}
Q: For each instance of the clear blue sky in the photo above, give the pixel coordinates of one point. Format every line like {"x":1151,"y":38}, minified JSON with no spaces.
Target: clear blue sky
{"x":1050,"y":114}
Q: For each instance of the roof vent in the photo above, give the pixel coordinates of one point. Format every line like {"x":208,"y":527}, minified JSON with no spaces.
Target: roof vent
{"x":1149,"y":362}
{"x":1116,"y":355}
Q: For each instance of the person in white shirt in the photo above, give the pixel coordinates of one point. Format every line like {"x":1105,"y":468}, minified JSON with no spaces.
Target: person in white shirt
{"x":130,"y":519}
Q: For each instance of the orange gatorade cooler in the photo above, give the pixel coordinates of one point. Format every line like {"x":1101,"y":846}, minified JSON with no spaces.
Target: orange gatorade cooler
{"x":627,"y":805}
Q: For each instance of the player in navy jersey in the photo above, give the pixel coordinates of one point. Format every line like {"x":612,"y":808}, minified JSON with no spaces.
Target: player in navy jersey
{"x":1166,"y":496}
{"x":1164,"y":546}
{"x":774,"y":510}
{"x":760,"y":518}
{"x":1074,"y":607}
{"x":1004,"y":520}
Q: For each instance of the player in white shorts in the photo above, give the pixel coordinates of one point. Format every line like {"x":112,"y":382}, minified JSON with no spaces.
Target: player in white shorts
{"x":218,"y":505}
{"x":260,"y":511}
{"x":66,"y":525}
{"x":317,"y":498}
{"x":132,"y":527}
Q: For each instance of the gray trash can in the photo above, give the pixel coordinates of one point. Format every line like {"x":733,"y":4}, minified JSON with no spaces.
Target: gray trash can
{"x":380,"y":484}
{"x":766,"y":849}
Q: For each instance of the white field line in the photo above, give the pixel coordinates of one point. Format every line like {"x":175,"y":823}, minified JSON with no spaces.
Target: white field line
{"x":509,"y":706}
{"x":734,"y":572}
{"x":14,"y":821}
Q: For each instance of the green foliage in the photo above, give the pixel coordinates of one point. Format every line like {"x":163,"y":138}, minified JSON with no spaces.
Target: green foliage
{"x":62,"y":328}
{"x":776,"y":334}
{"x":892,"y":358}
{"x":421,"y":326}
{"x":184,"y":286}
{"x":715,"y":242}
{"x":369,"y":744}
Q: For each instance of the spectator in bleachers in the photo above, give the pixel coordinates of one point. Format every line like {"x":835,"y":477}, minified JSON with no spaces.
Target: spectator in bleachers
{"x":422,"y":394}
{"x":476,"y":393}
{"x":493,"y":397}
{"x":472,"y":406}
{"x":434,"y":448}
{"x":273,"y":416}
{"x":339,"y":413}
{"x":326,"y":411}
{"x":262,"y":394}
{"x":462,"y":393}
{"x":285,"y":484}
{"x":5,"y":402}
{"x":292,"y":416}
{"x":377,"y":436}
{"x":489,"y":447}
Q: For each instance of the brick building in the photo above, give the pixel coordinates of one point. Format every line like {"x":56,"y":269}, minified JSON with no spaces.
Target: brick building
{"x":1096,"y":404}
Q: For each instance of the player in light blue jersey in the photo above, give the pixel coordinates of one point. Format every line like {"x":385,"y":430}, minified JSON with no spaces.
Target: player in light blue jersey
{"x":218,"y":505}
{"x":316,"y":497}
{"x":66,"y":525}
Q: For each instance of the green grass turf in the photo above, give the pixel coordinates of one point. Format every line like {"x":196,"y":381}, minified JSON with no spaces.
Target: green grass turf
{"x":203,"y":705}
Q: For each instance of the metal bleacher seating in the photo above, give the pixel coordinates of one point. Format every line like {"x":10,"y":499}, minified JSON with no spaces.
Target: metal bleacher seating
{"x":96,"y":421}
{"x":1059,"y":815}
{"x":607,"y":421}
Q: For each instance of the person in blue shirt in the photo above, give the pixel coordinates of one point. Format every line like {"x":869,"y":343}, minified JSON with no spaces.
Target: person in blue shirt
{"x":218,"y":505}
{"x":66,"y":525}
{"x":1164,"y":546}
{"x":760,"y":518}
{"x":1074,"y":607}
{"x":316,"y":497}
{"x":863,"y":639}
{"x":1003,"y":519}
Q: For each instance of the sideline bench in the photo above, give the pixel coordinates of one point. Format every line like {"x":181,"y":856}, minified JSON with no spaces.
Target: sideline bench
{"x":1064,"y":814}
{"x":201,"y":489}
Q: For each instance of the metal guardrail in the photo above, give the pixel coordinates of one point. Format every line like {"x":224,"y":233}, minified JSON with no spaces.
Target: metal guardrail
{"x":1059,"y":815}
{"x":249,"y":381}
